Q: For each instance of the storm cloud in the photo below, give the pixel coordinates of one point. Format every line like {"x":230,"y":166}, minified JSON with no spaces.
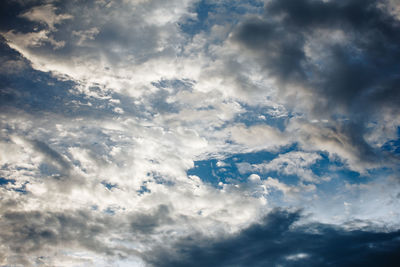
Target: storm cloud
{"x":349,"y":71}
{"x":277,"y":241}
{"x":338,"y":60}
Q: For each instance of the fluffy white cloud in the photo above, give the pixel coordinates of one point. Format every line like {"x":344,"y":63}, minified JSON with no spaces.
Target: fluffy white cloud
{"x":258,"y":137}
{"x":292,"y":163}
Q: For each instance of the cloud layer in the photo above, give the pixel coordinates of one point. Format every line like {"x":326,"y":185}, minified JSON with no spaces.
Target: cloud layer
{"x":192,"y":133}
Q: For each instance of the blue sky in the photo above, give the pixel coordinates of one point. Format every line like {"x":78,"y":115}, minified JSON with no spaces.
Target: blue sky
{"x":199,"y":133}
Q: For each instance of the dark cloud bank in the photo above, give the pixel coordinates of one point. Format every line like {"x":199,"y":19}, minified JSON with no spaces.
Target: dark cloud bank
{"x":276,"y":242}
{"x":358,"y":74}
{"x":351,"y":82}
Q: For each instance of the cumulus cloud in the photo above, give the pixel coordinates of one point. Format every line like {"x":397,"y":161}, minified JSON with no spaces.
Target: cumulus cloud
{"x":292,"y":163}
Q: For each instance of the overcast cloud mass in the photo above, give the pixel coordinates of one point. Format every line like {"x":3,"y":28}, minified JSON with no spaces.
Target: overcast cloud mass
{"x":200,"y":133}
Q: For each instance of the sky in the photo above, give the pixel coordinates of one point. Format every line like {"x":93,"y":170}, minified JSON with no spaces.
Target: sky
{"x":199,"y":133}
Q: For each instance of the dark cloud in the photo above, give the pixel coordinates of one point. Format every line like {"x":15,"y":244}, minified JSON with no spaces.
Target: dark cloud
{"x":356,"y":77}
{"x":52,"y":156}
{"x":33,"y":233}
{"x":30,"y":235}
{"x":365,"y":64}
{"x":276,"y":242}
{"x":146,"y":223}
{"x":9,"y":11}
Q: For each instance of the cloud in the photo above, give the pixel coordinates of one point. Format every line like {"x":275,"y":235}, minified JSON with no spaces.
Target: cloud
{"x":45,"y":14}
{"x":331,"y":60}
{"x":48,"y":237}
{"x":291,"y":163}
{"x":52,"y":155}
{"x":277,"y":241}
{"x":107,"y":107}
{"x":102,"y":46}
{"x":146,"y":223}
{"x":259,"y":137}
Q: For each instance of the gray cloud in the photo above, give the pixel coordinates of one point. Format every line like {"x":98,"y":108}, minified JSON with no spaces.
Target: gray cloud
{"x":277,"y":242}
{"x":339,"y":60}
{"x":146,"y":223}
{"x":52,"y":156}
{"x":30,"y":235}
{"x":349,"y":74}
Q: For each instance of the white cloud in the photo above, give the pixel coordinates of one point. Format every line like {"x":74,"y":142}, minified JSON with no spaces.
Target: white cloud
{"x":101,"y":49}
{"x":258,"y":137}
{"x":292,"y":163}
{"x":132,"y":157}
{"x":297,"y":257}
{"x":333,"y":139}
{"x":46,"y":14}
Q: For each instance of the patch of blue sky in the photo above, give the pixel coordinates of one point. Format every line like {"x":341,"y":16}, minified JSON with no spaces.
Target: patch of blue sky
{"x":347,"y":175}
{"x":337,"y":181}
{"x":321,"y":167}
{"x":33,"y":89}
{"x":109,"y":211}
{"x":209,"y":172}
{"x":193,"y":26}
{"x":159,"y":179}
{"x":341,"y":178}
{"x":331,"y":174}
{"x":9,"y":184}
{"x":339,"y":173}
{"x":37,"y":91}
{"x":143,"y":189}
{"x":109,"y":186}
{"x":21,"y":189}
{"x":4,"y":181}
{"x":214,"y":171}
{"x":393,"y":146}
{"x":334,"y":169}
{"x":351,"y":189}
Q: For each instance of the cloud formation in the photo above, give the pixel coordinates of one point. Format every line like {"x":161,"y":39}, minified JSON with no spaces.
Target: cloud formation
{"x":337,"y":61}
{"x":186,"y":132}
{"x":277,"y":241}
